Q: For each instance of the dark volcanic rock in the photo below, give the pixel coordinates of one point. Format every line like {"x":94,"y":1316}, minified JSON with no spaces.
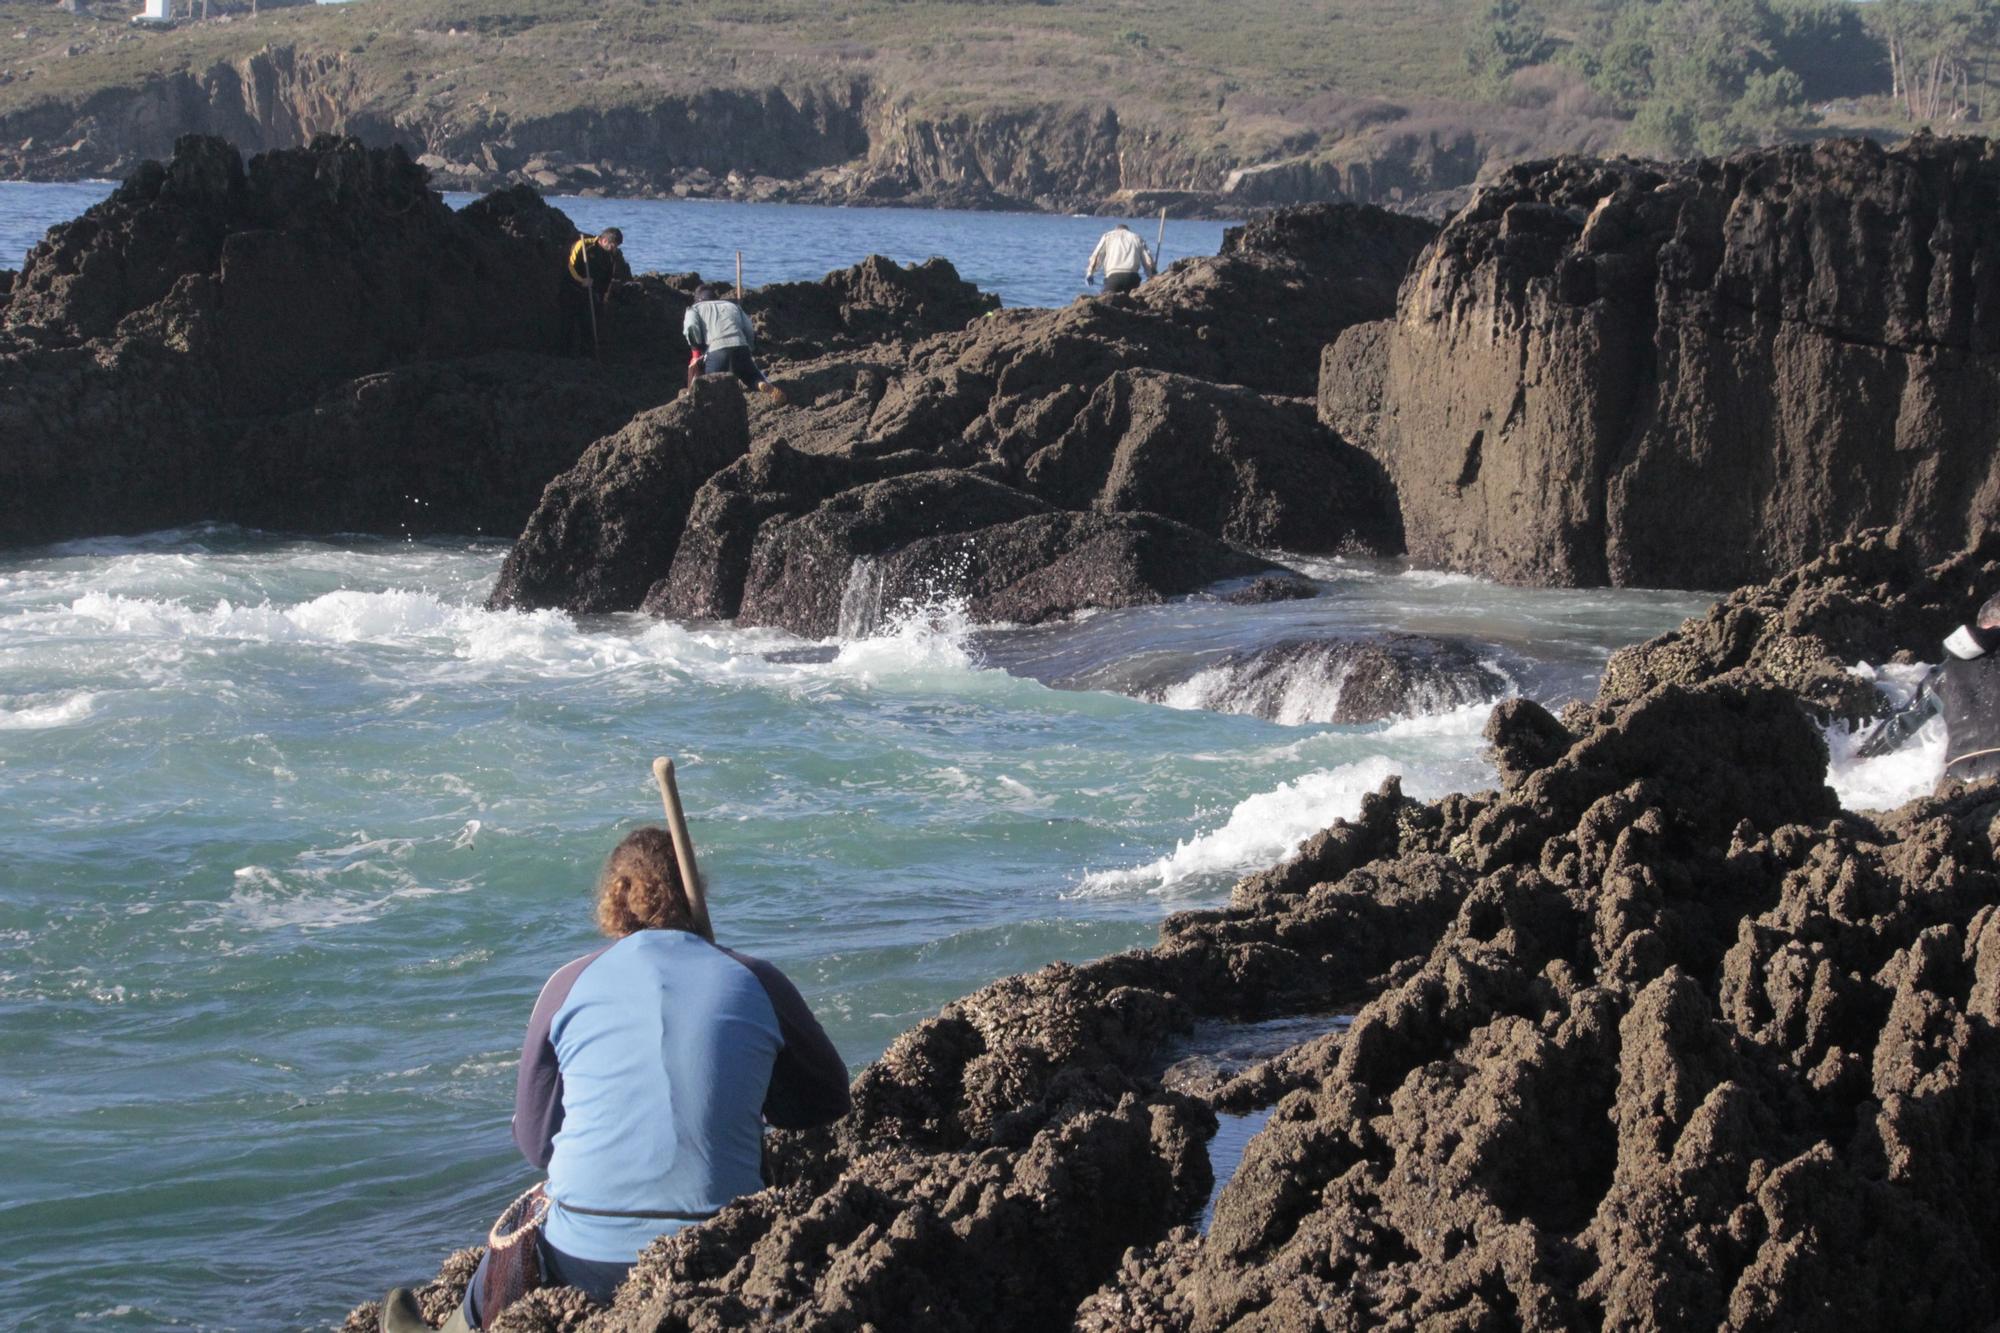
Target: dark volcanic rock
{"x":1272,"y":588}
{"x":774,"y":481}
{"x":1048,"y":566}
{"x":606,"y":530}
{"x":211,"y":342}
{"x":439,"y":445}
{"x":1287,"y":284}
{"x":316,"y":342}
{"x":937,"y":536}
{"x":875,"y":301}
{"x":1525,"y":740}
{"x":1343,"y":680}
{"x":1248,"y":469}
{"x":1613,"y":373}
{"x":1869,"y":599}
{"x":799,"y":568}
{"x":1257,"y":316}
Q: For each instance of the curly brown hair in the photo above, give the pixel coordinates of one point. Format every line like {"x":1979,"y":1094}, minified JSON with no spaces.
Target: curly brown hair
{"x":640,"y":886}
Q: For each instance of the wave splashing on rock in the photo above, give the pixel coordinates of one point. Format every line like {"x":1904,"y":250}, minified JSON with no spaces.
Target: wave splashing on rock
{"x":1342,"y":680}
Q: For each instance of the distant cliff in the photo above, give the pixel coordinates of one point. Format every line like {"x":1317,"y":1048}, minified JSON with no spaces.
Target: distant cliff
{"x":854,"y":139}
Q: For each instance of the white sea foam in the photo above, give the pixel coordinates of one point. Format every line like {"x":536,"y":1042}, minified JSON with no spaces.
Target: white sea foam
{"x":911,"y":640}
{"x":1260,"y":831}
{"x":1905,"y":773}
{"x":21,"y":715}
{"x":1306,"y":687}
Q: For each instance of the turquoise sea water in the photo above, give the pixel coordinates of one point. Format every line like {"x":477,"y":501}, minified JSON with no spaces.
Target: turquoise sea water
{"x":292,"y":831}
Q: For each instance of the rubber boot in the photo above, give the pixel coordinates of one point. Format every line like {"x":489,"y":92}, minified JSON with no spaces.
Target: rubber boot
{"x":401,"y":1315}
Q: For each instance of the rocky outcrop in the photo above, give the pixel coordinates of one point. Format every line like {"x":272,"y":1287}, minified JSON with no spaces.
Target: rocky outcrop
{"x":1256,"y":316}
{"x":1805,"y":338}
{"x":1034,"y":463}
{"x":938,"y":536}
{"x":875,"y":302}
{"x":315,"y":342}
{"x":607,"y":527}
{"x":268,"y":344}
{"x":775,"y":481}
{"x":1252,"y":470}
{"x":1869,"y":599}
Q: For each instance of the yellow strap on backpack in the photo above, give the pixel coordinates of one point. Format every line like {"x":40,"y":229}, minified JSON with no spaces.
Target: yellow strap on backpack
{"x":579,"y":259}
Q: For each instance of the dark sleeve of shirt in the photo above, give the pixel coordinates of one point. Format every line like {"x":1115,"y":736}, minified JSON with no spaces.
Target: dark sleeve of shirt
{"x":605,"y":265}
{"x":809,"y":1080}
{"x":538,"y":1108}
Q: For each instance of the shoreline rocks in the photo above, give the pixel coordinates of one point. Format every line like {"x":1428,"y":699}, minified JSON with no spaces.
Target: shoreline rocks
{"x":1803,"y":337}
{"x":314,"y":342}
{"x":1031,"y":463}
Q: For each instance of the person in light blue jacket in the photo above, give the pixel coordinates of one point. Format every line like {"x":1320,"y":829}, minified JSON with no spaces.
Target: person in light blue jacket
{"x":717,"y":328}
{"x":650,"y":1069}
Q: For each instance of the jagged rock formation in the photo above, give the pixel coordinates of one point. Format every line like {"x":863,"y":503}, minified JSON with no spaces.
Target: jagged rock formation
{"x":1653,"y":1035}
{"x":315,"y":342}
{"x":619,"y":512}
{"x":1038,"y":462}
{"x":1232,"y":463}
{"x":1807,"y":339}
{"x":1869,"y":599}
{"x":268,"y":344}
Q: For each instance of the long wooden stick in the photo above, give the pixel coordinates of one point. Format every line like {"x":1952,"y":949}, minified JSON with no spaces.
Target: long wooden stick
{"x":1160,"y":242}
{"x":739,"y":275}
{"x":677,"y":826}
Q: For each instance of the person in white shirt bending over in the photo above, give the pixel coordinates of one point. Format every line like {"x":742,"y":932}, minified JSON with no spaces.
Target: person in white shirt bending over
{"x":718,"y":330}
{"x":1123,"y":256}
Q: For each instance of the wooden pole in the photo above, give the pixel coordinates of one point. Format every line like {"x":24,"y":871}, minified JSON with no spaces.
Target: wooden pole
{"x":739,"y":275}
{"x":677,"y":827}
{"x":1160,"y":243}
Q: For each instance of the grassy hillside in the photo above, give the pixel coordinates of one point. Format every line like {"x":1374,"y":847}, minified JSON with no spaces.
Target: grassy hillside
{"x":1252,"y":79}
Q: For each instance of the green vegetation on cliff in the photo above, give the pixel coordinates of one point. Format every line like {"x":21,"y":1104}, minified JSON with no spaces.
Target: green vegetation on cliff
{"x":1367,"y":98}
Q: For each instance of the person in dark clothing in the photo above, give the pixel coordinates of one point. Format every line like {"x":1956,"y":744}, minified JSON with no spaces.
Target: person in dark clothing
{"x":650,"y":1069}
{"x":716,"y":327}
{"x":595,"y":262}
{"x":1965,"y":687}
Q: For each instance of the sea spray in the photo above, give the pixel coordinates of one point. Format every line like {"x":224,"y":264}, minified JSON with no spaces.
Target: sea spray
{"x":1912,"y":769}
{"x":1430,"y":756}
{"x":861,"y":600}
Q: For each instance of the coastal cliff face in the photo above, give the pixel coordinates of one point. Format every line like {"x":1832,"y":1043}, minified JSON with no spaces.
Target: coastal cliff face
{"x":841,"y":140}
{"x":1613,"y":373}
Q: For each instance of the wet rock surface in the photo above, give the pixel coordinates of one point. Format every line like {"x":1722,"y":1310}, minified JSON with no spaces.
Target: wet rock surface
{"x":1342,"y":680}
{"x":1805,"y":337}
{"x":1654,"y":1034}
